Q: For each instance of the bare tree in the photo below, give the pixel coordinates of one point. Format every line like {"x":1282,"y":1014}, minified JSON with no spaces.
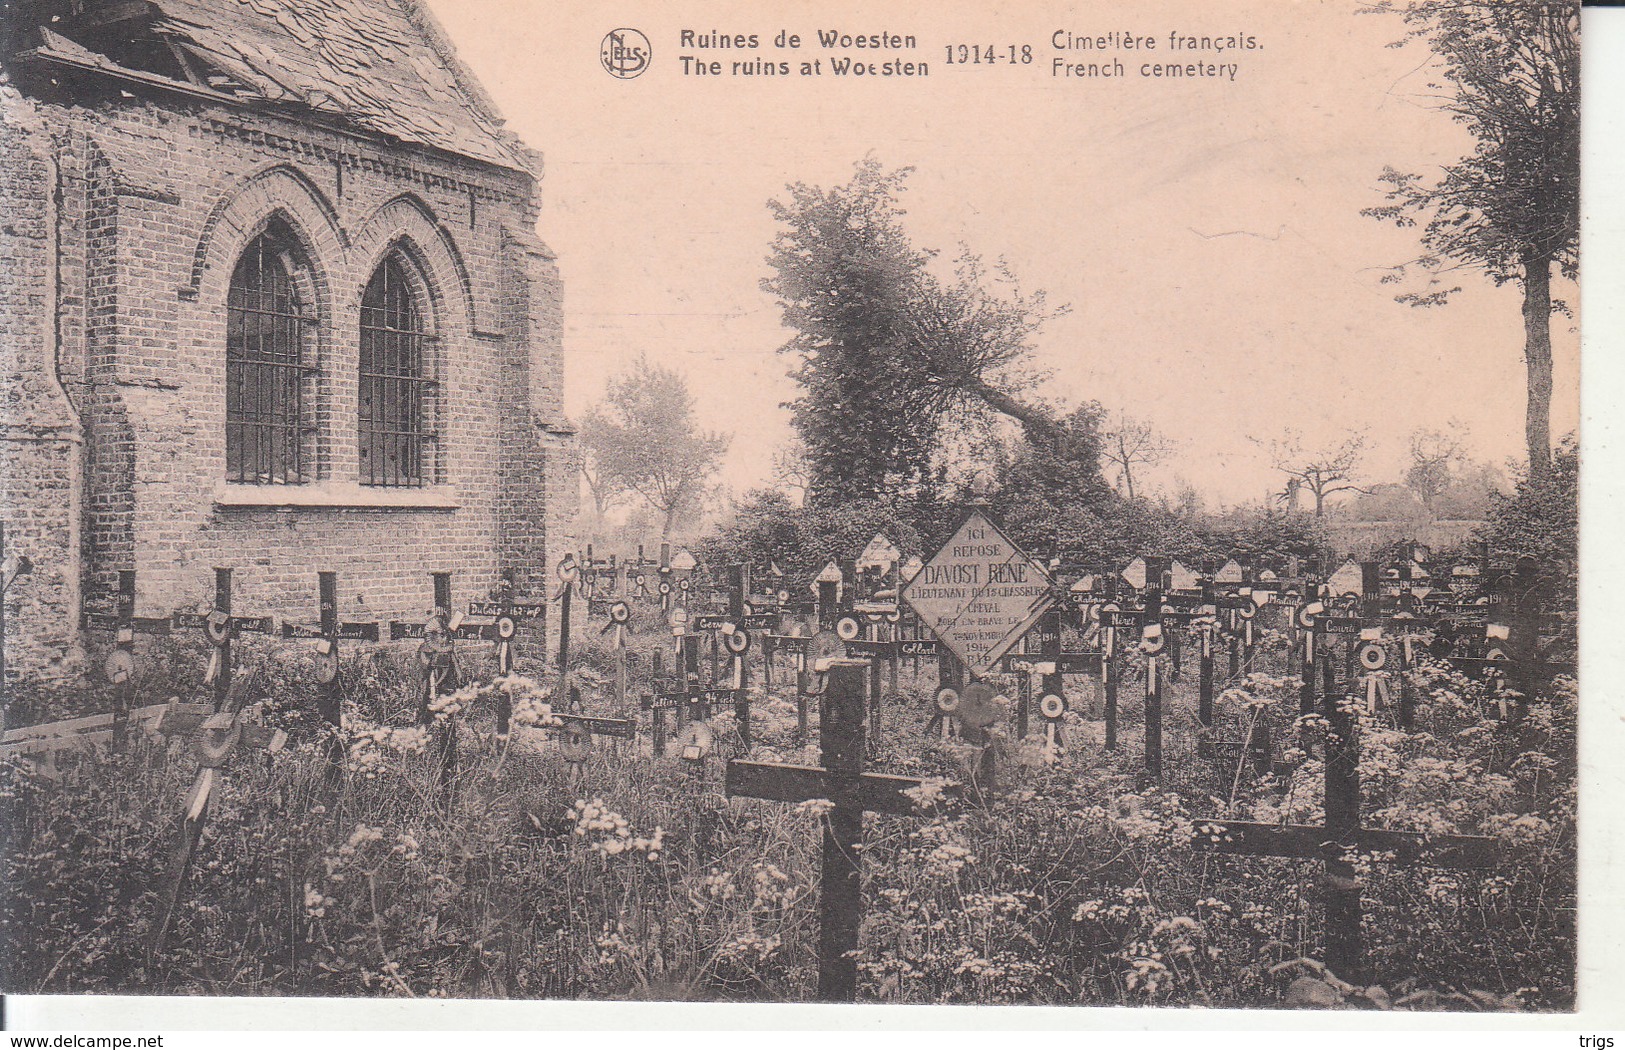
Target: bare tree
{"x":1131,"y":443}
{"x":1322,"y":472}
{"x":791,"y":471}
{"x":1435,"y":457}
{"x":608,"y":490}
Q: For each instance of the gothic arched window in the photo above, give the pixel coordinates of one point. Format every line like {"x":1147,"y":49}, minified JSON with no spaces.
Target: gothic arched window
{"x":396,"y":391}
{"x":268,"y":326}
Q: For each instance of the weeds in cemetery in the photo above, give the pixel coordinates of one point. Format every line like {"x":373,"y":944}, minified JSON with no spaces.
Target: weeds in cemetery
{"x":1077,"y":884}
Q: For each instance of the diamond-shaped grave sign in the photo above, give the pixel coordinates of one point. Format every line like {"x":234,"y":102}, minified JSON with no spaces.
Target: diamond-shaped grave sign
{"x":683,"y":561}
{"x":912,"y":567}
{"x":1230,"y":573}
{"x":1183,"y":579}
{"x":1134,"y":573}
{"x":979,"y":593}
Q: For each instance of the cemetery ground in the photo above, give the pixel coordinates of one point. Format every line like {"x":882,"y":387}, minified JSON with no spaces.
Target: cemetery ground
{"x":631,"y":876}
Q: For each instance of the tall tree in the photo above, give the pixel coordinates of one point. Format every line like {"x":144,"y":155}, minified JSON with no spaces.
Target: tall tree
{"x":643,"y":437}
{"x":1512,"y":208}
{"x":1131,"y":443}
{"x":607,"y":490}
{"x":790,"y":471}
{"x":1323,"y":472}
{"x":887,"y":352}
{"x":1435,"y":457}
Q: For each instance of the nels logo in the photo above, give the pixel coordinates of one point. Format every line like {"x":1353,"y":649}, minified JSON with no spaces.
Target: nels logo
{"x":625,"y":53}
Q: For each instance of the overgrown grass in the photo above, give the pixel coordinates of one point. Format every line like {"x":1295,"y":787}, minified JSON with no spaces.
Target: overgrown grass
{"x":638,"y":878}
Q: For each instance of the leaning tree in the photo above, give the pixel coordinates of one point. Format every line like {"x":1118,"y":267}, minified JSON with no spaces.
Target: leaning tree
{"x":888,"y":353}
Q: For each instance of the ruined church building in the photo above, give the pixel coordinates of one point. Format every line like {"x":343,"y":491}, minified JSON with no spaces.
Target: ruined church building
{"x":271,"y":299}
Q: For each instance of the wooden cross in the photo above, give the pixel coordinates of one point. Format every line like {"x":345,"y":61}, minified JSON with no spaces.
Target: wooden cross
{"x":1341,"y":832}
{"x":568,"y":573}
{"x":1042,"y":659}
{"x":618,"y":616}
{"x":575,"y":732}
{"x":119,"y":666}
{"x":796,"y":646}
{"x":216,"y":736}
{"x":1112,"y":617}
{"x":666,"y":586}
{"x":49,"y":739}
{"x":10,"y":569}
{"x":437,"y":663}
{"x":1149,"y":621}
{"x":1152,"y":640}
{"x":505,"y":613}
{"x":220,"y":627}
{"x":738,"y":585}
{"x":327,"y":632}
{"x":841,"y":780}
{"x":693,"y":701}
{"x":1518,"y":596}
{"x":637,"y":576}
{"x":1257,"y":740}
{"x":1379,"y":611}
{"x":1204,"y":666}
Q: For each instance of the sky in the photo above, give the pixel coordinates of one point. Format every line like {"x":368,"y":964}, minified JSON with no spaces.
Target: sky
{"x":1204,"y":232}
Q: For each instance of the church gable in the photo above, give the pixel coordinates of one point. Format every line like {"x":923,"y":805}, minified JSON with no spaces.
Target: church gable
{"x":381,"y":65}
{"x":298,"y":318}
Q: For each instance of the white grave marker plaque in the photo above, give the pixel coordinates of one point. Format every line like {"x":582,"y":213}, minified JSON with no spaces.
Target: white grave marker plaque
{"x":979,"y":594}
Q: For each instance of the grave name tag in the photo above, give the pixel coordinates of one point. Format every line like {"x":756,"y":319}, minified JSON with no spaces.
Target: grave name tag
{"x":353,"y":632}
{"x":1341,"y":624}
{"x":614,"y":727}
{"x":1077,"y":663}
{"x":1119,"y":618}
{"x":860,"y":647}
{"x":239,"y":624}
{"x":138,"y":624}
{"x":518,"y":610}
{"x":980,"y":593}
{"x":399,"y":630}
{"x":918,"y":647}
{"x":695,"y":696}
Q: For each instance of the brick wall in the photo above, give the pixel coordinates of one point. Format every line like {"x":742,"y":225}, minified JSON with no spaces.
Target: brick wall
{"x":158,"y":197}
{"x":41,"y":478}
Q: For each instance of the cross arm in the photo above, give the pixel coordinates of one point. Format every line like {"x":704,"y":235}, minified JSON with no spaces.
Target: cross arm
{"x":615,"y":727}
{"x":873,"y":792}
{"x":1309,"y":841}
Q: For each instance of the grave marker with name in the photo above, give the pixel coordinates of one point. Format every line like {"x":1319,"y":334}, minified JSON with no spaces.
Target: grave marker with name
{"x":979,"y":594}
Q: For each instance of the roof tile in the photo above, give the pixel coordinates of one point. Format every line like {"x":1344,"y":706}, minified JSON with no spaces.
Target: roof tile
{"x":367,"y":61}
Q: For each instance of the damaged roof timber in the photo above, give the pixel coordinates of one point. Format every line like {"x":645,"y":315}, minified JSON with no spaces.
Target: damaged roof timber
{"x":382,"y":65}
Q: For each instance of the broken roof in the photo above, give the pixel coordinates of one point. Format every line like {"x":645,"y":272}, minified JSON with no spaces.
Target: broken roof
{"x":385,"y":65}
